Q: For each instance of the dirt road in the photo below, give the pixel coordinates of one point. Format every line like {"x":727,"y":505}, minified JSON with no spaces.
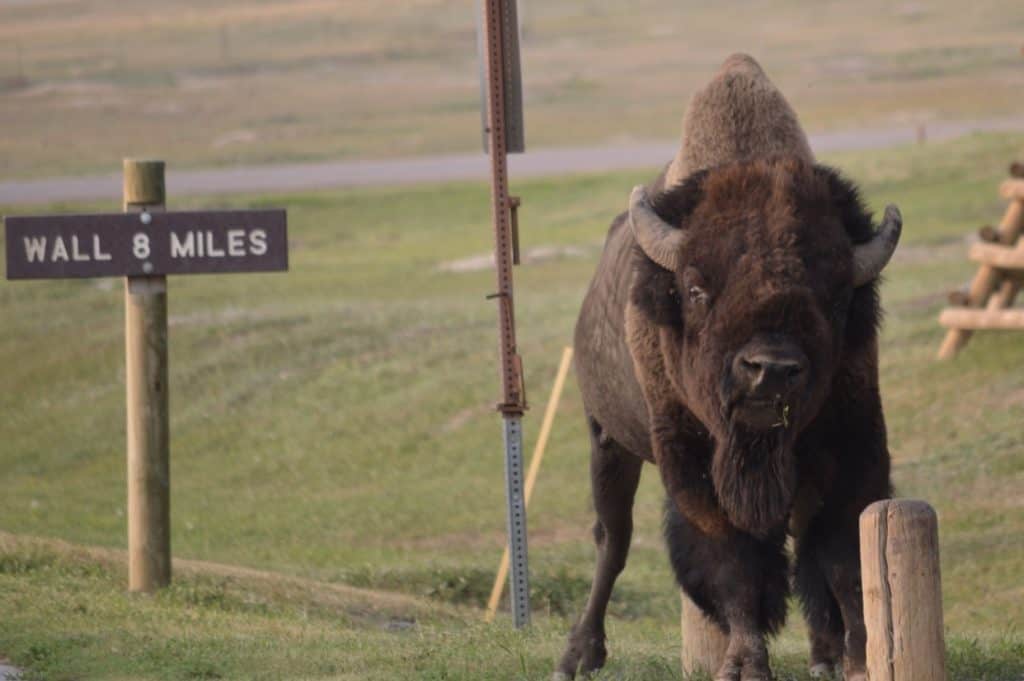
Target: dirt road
{"x":538,"y":163}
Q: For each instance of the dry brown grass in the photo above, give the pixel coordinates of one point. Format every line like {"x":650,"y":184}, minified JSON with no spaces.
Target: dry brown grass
{"x":85,"y":82}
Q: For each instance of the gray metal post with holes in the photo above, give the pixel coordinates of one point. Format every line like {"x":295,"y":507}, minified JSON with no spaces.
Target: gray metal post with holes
{"x":518,"y":574}
{"x":503,"y":132}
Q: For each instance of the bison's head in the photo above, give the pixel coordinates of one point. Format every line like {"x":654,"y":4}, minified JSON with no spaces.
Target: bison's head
{"x":760,"y":275}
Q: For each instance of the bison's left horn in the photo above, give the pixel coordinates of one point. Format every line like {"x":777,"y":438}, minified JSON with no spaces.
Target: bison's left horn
{"x":660,"y":241}
{"x":870,"y":258}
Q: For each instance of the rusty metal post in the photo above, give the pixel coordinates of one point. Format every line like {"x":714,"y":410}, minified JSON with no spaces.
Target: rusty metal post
{"x":498,"y":25}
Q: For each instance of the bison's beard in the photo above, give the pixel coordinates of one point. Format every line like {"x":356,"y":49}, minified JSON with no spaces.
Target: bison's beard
{"x":754,"y":477}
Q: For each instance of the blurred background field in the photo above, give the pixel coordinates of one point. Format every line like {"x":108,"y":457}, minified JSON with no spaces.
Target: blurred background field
{"x":335,"y":424}
{"x":86,"y":82}
{"x":336,"y":460}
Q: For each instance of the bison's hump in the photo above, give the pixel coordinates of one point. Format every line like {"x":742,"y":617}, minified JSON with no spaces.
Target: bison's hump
{"x":739,"y":115}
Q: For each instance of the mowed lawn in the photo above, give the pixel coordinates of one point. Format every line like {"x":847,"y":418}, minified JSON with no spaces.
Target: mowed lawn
{"x":334,"y":426}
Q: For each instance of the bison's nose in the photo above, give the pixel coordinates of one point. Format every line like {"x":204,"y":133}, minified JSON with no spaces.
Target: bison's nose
{"x":771,"y":371}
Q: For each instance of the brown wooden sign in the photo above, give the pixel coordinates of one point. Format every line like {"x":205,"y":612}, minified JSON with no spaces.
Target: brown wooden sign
{"x":147,"y":243}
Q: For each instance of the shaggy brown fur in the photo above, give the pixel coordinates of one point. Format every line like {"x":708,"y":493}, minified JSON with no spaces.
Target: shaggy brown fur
{"x":768,"y":265}
{"x":714,"y":132}
{"x":787,"y":276}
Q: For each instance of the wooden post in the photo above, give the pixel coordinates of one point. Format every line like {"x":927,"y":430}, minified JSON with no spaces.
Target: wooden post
{"x":987,"y":279}
{"x":899,"y":546}
{"x":1004,"y":297}
{"x":145,"y":327}
{"x":982,"y":320}
{"x":704,"y":643}
{"x":1012,"y":190}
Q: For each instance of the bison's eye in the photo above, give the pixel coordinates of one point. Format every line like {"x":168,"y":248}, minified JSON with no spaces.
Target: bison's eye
{"x":694,"y":287}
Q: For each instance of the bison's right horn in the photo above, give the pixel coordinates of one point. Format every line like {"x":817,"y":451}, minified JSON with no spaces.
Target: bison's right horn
{"x":660,"y":241}
{"x":870,"y":258}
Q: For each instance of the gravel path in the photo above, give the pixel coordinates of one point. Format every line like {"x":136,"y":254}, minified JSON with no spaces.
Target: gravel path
{"x":538,"y":163}
{"x":8,"y":673}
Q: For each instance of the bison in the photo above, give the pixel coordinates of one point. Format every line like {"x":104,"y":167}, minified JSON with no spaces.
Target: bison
{"x":729,"y":336}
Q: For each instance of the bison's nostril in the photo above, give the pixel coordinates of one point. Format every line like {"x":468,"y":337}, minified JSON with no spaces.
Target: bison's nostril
{"x":751,"y":366}
{"x":787,"y":371}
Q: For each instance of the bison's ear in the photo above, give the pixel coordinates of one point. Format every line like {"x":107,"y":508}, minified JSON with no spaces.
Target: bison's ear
{"x":847,"y":203}
{"x":655,"y":292}
{"x":863,"y":316}
{"x":676,"y":204}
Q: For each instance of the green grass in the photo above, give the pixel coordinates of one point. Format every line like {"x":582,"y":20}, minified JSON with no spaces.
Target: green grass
{"x":83,"y":84}
{"x":335,"y":424}
{"x":214,"y":623}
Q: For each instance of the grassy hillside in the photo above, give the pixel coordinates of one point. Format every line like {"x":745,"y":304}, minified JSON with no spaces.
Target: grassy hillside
{"x":335,"y":424}
{"x":84,"y":83}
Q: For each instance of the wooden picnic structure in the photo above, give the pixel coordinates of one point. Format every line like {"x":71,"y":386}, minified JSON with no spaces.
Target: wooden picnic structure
{"x":988,"y":302}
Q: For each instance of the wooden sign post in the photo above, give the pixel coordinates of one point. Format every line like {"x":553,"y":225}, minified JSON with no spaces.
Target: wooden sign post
{"x":144,"y":244}
{"x":148,"y":424}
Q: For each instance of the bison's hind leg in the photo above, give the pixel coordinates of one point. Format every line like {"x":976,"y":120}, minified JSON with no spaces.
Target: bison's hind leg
{"x":614,"y":477}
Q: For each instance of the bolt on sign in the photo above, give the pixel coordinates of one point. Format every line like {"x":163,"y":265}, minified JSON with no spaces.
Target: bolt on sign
{"x":146,"y":243}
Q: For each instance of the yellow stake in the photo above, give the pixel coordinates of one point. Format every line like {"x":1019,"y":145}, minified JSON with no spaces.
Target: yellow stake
{"x":531,"y":475}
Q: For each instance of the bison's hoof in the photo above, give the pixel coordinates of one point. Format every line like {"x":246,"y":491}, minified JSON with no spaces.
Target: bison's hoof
{"x":746,"y":674}
{"x":853,"y":670}
{"x":585,"y":654}
{"x":730,"y":670}
{"x":744,"y":670}
{"x":594,"y":657}
{"x":755,"y":674}
{"x":824,"y":670}
{"x":730,"y":674}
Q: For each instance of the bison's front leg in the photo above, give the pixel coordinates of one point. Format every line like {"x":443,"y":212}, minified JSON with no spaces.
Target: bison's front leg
{"x":739,"y":581}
